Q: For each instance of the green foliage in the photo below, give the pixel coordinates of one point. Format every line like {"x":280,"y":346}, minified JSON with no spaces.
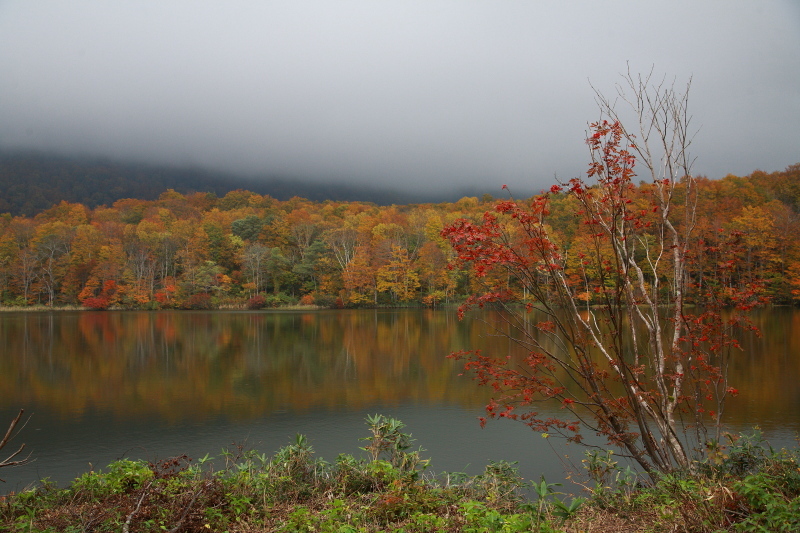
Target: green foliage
{"x":294,"y":491}
{"x":501,"y":484}
{"x":247,"y":228}
{"x":122,"y":476}
{"x":18,"y":301}
{"x":387,"y":440}
{"x":771,"y":488}
{"x":294,"y":471}
{"x":610,"y":481}
{"x":744,"y":454}
{"x":774,"y":506}
{"x":291,"y":490}
{"x":352,"y":477}
{"x":745,"y":485}
{"x":549,"y":505}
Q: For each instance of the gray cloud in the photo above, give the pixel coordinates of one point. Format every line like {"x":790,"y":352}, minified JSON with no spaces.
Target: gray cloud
{"x":419,"y":94}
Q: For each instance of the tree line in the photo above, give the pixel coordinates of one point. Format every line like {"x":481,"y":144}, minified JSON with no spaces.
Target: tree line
{"x":198,"y":250}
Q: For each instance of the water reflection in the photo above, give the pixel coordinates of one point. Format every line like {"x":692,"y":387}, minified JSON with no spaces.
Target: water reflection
{"x":180,"y":366}
{"x":102,"y":383}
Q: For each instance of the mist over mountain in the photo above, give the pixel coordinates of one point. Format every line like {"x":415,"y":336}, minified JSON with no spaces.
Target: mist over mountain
{"x":381,"y":100}
{"x":31,"y":182}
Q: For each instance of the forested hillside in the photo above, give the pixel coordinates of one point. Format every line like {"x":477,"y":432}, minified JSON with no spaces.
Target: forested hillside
{"x":31,"y":183}
{"x":199,"y":250}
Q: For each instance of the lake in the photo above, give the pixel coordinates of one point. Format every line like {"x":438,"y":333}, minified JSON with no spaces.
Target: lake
{"x":106,"y":385}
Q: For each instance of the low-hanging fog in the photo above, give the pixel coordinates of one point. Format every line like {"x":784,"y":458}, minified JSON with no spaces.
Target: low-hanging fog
{"x":418,"y":95}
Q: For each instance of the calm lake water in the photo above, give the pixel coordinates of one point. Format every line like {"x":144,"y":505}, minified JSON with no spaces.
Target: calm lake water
{"x":107,"y":385}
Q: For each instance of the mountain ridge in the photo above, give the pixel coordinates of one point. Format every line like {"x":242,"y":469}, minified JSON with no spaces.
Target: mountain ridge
{"x":31,"y":182}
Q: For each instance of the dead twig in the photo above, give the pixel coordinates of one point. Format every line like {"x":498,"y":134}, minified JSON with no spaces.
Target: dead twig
{"x":10,"y":434}
{"x":188,"y":508}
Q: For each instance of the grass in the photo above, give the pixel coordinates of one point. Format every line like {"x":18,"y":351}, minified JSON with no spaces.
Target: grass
{"x":224,"y":307}
{"x":747,"y":487}
{"x":40,"y":307}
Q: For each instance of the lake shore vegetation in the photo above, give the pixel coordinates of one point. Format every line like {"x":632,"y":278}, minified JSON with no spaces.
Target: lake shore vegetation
{"x":746,"y":486}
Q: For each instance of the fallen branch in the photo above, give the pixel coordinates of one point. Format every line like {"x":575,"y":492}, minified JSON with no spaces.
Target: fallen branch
{"x":126,"y":527}
{"x":188,"y":508}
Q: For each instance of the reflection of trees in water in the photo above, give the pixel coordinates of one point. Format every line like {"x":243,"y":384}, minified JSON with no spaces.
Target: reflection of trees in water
{"x":767,"y":373}
{"x":185,"y":365}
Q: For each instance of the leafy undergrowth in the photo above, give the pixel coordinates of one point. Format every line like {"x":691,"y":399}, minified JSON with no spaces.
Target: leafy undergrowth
{"x":745,"y":486}
{"x":749,"y":487}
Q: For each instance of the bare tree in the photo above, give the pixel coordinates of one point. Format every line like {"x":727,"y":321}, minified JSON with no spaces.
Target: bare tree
{"x":343,"y":241}
{"x":254,"y":259}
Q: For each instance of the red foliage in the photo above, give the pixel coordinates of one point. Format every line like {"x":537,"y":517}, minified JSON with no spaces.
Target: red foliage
{"x":624,"y":388}
{"x":257,"y":302}
{"x":95,"y":302}
{"x":199,"y":301}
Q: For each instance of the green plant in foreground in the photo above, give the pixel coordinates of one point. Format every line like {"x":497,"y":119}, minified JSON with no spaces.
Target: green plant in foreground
{"x":293,"y":491}
{"x":501,"y":484}
{"x":548,"y":504}
{"x":388,"y":440}
{"x":773,"y":498}
{"x":609,"y":479}
{"x":122,"y":476}
{"x":747,"y":486}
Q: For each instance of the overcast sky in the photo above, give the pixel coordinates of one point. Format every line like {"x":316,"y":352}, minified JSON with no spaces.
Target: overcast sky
{"x":414,"y":94}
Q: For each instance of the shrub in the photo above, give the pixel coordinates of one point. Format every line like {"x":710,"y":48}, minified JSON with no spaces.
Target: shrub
{"x":95,"y":302}
{"x":19,"y":301}
{"x":280,"y":299}
{"x":199,"y":301}
{"x":257,"y":302}
{"x":325,"y":300}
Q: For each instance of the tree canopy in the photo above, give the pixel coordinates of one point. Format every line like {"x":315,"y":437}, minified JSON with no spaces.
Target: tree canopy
{"x":159,"y":253}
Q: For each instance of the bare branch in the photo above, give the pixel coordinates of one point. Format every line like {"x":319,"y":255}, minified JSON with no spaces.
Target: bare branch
{"x":10,"y":434}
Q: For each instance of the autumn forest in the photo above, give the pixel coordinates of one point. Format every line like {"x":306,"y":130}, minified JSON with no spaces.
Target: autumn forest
{"x":247,"y":250}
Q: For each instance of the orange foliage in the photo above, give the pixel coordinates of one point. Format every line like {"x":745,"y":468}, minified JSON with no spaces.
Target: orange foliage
{"x":157,"y":253}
